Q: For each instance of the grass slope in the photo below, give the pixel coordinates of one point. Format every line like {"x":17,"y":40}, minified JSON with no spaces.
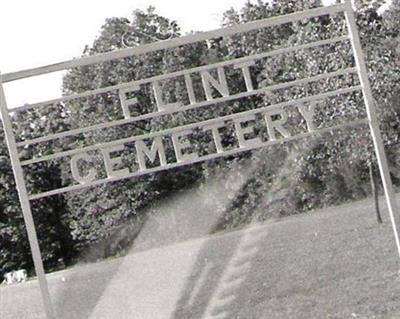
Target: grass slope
{"x":337,"y":263}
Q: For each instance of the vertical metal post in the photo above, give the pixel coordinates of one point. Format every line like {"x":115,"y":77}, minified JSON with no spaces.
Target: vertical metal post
{"x":373,"y":121}
{"x":25,"y":204}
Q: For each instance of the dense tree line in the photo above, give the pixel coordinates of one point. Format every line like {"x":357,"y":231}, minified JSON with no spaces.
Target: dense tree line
{"x":297,"y":177}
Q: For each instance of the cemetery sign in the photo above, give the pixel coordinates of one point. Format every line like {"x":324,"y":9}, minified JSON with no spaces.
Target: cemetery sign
{"x":149,"y":151}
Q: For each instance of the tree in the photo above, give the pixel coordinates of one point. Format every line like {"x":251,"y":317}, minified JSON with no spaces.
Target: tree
{"x":14,"y":245}
{"x":53,"y":233}
{"x":98,"y":212}
{"x":333,"y":168}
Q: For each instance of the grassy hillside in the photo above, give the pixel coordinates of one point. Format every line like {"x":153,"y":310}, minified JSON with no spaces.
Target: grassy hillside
{"x":337,"y":263}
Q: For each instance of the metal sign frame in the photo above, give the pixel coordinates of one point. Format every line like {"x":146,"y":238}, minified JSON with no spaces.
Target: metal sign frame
{"x":176,"y":132}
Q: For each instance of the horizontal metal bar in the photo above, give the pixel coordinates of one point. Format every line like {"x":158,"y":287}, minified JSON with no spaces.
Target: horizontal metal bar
{"x":175,"y":42}
{"x":258,"y":56}
{"x":183,"y":108}
{"x":200,"y":159}
{"x":190,"y":126}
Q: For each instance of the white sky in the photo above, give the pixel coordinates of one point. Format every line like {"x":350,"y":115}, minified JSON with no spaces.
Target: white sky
{"x":39,"y":32}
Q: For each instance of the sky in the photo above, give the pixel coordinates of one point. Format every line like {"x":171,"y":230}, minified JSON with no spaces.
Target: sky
{"x":40,"y":32}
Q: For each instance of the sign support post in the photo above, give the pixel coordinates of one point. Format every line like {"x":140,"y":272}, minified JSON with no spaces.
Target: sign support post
{"x":25,"y":204}
{"x":373,"y":121}
{"x":179,"y":131}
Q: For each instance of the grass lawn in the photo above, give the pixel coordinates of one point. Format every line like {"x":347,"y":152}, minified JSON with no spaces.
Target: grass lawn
{"x":336,"y":263}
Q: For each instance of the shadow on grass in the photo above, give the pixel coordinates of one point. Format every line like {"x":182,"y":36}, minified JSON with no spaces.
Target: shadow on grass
{"x":82,"y":290}
{"x":221,"y":268}
{"x":185,"y":215}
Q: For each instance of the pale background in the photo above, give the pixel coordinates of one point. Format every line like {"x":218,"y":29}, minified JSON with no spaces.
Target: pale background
{"x":40,"y":32}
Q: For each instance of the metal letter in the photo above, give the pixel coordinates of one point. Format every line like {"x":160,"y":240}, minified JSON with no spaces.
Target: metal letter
{"x":308,"y":113}
{"x":189,"y":87}
{"x":215,"y":132}
{"x":75,"y":169}
{"x":245,"y":67}
{"x":156,"y":148}
{"x":161,"y":105}
{"x":241,"y":131}
{"x":221,"y":86}
{"x":179,"y":146}
{"x":273,"y":125}
{"x":126,"y":102}
{"x":111,"y":162}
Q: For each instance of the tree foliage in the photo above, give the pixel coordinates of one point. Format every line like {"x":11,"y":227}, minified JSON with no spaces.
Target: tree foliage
{"x":332,"y":168}
{"x":325,"y":170}
{"x":49,"y":215}
{"x":95,"y":213}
